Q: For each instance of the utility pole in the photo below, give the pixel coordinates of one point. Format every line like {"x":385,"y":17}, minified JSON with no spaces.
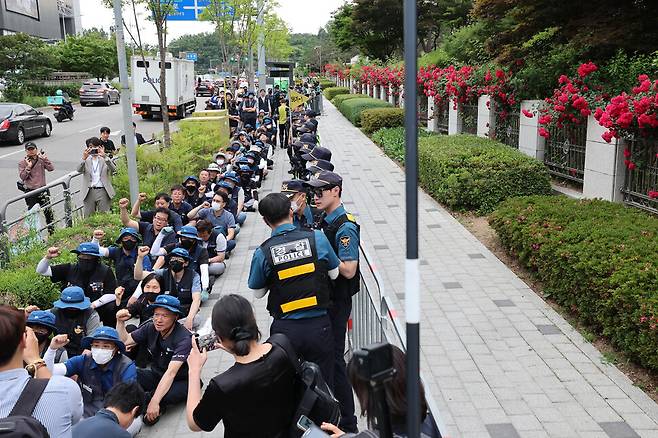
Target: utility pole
{"x":262,"y":76}
{"x":126,"y":108}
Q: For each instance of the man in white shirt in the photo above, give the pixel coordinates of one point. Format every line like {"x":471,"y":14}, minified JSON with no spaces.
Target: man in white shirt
{"x":97,"y":168}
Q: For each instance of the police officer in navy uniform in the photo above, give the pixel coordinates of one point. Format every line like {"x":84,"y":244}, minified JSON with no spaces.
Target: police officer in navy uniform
{"x":296,"y":267}
{"x":296,"y":191}
{"x":342,"y":231}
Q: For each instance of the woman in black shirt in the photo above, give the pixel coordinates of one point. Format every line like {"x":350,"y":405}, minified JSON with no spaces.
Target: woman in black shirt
{"x":256,"y":396}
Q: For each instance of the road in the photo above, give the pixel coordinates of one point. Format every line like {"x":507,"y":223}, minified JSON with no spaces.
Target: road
{"x":64,"y":147}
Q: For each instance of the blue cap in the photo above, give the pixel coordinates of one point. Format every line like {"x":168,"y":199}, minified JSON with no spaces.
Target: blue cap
{"x":180,"y":252}
{"x":320,"y":165}
{"x":190,"y":232}
{"x":103,"y":334}
{"x":246,"y":169}
{"x":88,"y":248}
{"x":234,"y":146}
{"x":73,"y":297}
{"x":293,"y":186}
{"x":167,"y":302}
{"x":44,"y":318}
{"x":242,"y":160}
{"x":326,"y":178}
{"x":318,"y":153}
{"x":127,"y":231}
{"x":308,"y":138}
{"x":224,"y":185}
{"x":191,"y":177}
{"x":267,"y":120}
{"x":232,"y":176}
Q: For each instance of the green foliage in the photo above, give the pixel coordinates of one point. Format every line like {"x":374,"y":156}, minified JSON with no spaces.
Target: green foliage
{"x":338,"y":99}
{"x":466,"y":45}
{"x":352,"y":108}
{"x":331,"y":92}
{"x":391,"y":140}
{"x":92,"y":53}
{"x":340,"y":28}
{"x":622,"y":70}
{"x":21,"y":285}
{"x":595,"y":258}
{"x":438,"y":57}
{"x":326,"y":83}
{"x":22,"y":58}
{"x":378,"y":118}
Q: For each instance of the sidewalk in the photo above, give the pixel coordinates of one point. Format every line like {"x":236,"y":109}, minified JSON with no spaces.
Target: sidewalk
{"x":498,"y":360}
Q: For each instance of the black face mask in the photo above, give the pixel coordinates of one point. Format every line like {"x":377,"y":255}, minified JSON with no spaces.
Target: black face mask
{"x":87,"y":266}
{"x":186,"y":243}
{"x":71,"y":313}
{"x":150,"y":296}
{"x":129,"y":245}
{"x":42,"y":337}
{"x":190,"y":189}
{"x":176,"y":266}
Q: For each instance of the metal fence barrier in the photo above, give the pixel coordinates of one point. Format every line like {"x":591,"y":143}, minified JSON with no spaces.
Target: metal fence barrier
{"x":374,"y":319}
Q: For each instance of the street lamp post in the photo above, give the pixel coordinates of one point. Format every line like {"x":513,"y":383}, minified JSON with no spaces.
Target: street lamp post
{"x":316,"y":48}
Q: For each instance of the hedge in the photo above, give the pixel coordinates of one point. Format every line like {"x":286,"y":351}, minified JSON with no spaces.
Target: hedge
{"x":352,"y":108}
{"x":193,"y":147}
{"x":326,"y":83}
{"x":466,"y":172}
{"x":332,"y":92}
{"x":342,"y":97}
{"x":378,"y":118}
{"x":596,"y":258}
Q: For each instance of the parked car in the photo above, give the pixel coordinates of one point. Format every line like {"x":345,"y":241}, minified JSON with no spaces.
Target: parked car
{"x":19,"y":122}
{"x":205,"y":88}
{"x":99,"y":92}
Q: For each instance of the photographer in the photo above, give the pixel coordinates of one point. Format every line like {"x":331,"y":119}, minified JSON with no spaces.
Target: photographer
{"x":261,"y":380}
{"x":97,"y":168}
{"x":394,"y":393}
{"x":32,"y":172}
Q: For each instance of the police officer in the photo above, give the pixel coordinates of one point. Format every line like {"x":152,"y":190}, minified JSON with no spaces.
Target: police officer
{"x":296,"y":266}
{"x":315,"y":167}
{"x":96,"y":279}
{"x":318,"y":153}
{"x":296,"y":191}
{"x":342,"y":231}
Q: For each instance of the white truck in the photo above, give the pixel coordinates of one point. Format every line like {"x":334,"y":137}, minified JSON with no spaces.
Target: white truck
{"x":180,"y":80}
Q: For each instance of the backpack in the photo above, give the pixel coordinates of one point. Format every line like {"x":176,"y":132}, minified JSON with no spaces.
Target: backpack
{"x":20,"y":423}
{"x":314,"y":397}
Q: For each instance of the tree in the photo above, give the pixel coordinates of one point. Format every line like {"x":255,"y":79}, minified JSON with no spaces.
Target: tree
{"x":23,"y":57}
{"x":91,"y":52}
{"x":340,"y":28}
{"x":203,"y":44}
{"x":277,"y":38}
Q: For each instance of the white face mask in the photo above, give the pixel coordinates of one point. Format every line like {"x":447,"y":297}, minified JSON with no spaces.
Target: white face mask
{"x":308,"y":165}
{"x":216,"y":206}
{"x":101,"y":356}
{"x":229,"y":156}
{"x":219,"y":161}
{"x":294,"y":206}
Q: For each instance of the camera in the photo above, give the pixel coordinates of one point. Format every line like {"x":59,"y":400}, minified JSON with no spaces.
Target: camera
{"x":207,"y":342}
{"x":374,"y":363}
{"x":94,"y":151}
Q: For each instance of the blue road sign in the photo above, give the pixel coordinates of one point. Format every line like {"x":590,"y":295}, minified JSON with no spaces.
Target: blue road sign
{"x":191,"y":56}
{"x":191,"y":10}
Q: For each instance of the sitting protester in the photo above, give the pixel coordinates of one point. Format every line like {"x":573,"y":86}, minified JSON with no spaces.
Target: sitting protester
{"x":162,"y":200}
{"x":180,"y":281}
{"x":178,"y":204}
{"x":169,"y":345}
{"x":148,"y":231}
{"x":262,"y":380}
{"x":151,"y":286}
{"x":123,"y":405}
{"x":42,"y":323}
{"x":214,"y":241}
{"x":218,"y":216}
{"x":96,"y":279}
{"x":97,"y":372}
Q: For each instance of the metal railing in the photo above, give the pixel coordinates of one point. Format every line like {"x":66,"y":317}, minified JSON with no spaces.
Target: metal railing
{"x":564,"y":153}
{"x":506,"y":129}
{"x":642,"y":180}
{"x":374,"y":319}
{"x":469,"y":115}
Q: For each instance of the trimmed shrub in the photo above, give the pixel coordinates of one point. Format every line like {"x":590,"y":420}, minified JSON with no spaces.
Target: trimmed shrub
{"x":352,"y":108}
{"x":343,"y":97}
{"x":595,"y":258}
{"x":391,"y":140}
{"x":326,"y":83}
{"x":332,"y":92}
{"x":378,"y":118}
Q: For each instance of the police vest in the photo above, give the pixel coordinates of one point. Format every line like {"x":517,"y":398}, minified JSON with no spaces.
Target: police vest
{"x":181,"y":290}
{"x":76,"y":329}
{"x":342,"y":287}
{"x":124,"y":266}
{"x":299,"y":279}
{"x":95,"y":286}
{"x":91,"y":387}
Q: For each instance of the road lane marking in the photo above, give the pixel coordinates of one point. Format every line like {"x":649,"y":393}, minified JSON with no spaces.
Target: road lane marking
{"x":12,"y":153}
{"x":89,"y":129}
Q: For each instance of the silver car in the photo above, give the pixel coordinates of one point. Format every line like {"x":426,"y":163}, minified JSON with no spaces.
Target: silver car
{"x":99,"y":92}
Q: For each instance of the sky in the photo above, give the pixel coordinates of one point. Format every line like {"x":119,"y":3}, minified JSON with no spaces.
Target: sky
{"x":302,"y":16}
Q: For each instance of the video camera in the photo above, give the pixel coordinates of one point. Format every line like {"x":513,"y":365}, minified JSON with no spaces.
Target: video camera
{"x":374,"y":363}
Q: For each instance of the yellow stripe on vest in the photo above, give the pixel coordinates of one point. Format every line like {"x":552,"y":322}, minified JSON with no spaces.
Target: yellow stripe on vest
{"x":297,"y":270}
{"x":299,"y":304}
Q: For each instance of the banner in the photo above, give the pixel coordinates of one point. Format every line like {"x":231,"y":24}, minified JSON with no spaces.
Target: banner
{"x":297,"y":99}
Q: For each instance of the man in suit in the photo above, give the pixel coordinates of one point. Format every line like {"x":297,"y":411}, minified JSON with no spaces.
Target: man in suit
{"x":264,"y":103}
{"x":97,"y":168}
{"x":139,"y":138}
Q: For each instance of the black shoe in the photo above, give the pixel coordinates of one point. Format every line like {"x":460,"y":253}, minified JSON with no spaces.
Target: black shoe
{"x":163,"y":409}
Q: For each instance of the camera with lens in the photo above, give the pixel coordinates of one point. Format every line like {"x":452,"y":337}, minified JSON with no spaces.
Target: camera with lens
{"x":94,"y":151}
{"x":374,"y":363}
{"x":207,"y":342}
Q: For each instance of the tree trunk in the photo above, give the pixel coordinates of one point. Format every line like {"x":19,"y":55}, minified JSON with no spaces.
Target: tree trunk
{"x":163,"y":88}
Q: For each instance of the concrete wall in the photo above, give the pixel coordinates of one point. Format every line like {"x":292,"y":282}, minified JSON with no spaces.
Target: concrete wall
{"x":530,"y":142}
{"x":46,"y":27}
{"x":604,"y":165}
{"x":486,"y":117}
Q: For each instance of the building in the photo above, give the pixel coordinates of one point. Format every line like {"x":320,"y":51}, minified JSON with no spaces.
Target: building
{"x":47,"y":19}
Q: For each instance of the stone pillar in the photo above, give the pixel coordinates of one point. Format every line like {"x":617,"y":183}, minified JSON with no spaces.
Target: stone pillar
{"x":454,"y":119}
{"x":401,"y":96}
{"x":367,"y":89}
{"x":391,"y":97}
{"x":432,"y":121}
{"x":604,"y":165}
{"x":486,"y":117}
{"x":351,"y":82}
{"x":382,"y":92}
{"x":530,"y":142}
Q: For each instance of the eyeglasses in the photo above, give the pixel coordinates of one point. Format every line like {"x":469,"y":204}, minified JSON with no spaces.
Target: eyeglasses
{"x":162,"y":315}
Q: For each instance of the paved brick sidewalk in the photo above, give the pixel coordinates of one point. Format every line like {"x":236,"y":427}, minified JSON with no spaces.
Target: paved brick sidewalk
{"x":499,"y":361}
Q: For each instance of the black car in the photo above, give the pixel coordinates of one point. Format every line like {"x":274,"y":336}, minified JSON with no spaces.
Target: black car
{"x":19,"y":121}
{"x":205,"y":88}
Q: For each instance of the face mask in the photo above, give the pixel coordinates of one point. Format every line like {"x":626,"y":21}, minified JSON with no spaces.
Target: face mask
{"x":176,"y":265}
{"x":294,"y":206}
{"x":190,"y":189}
{"x":268,"y":126}
{"x":129,"y":244}
{"x":219,"y":162}
{"x":101,"y":356}
{"x":187,"y":244}
{"x":229,"y":157}
{"x":150,"y":296}
{"x":216,"y":206}
{"x":86,"y":266}
{"x":71,"y":313}
{"x":308,"y":165}
{"x":42,"y":337}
